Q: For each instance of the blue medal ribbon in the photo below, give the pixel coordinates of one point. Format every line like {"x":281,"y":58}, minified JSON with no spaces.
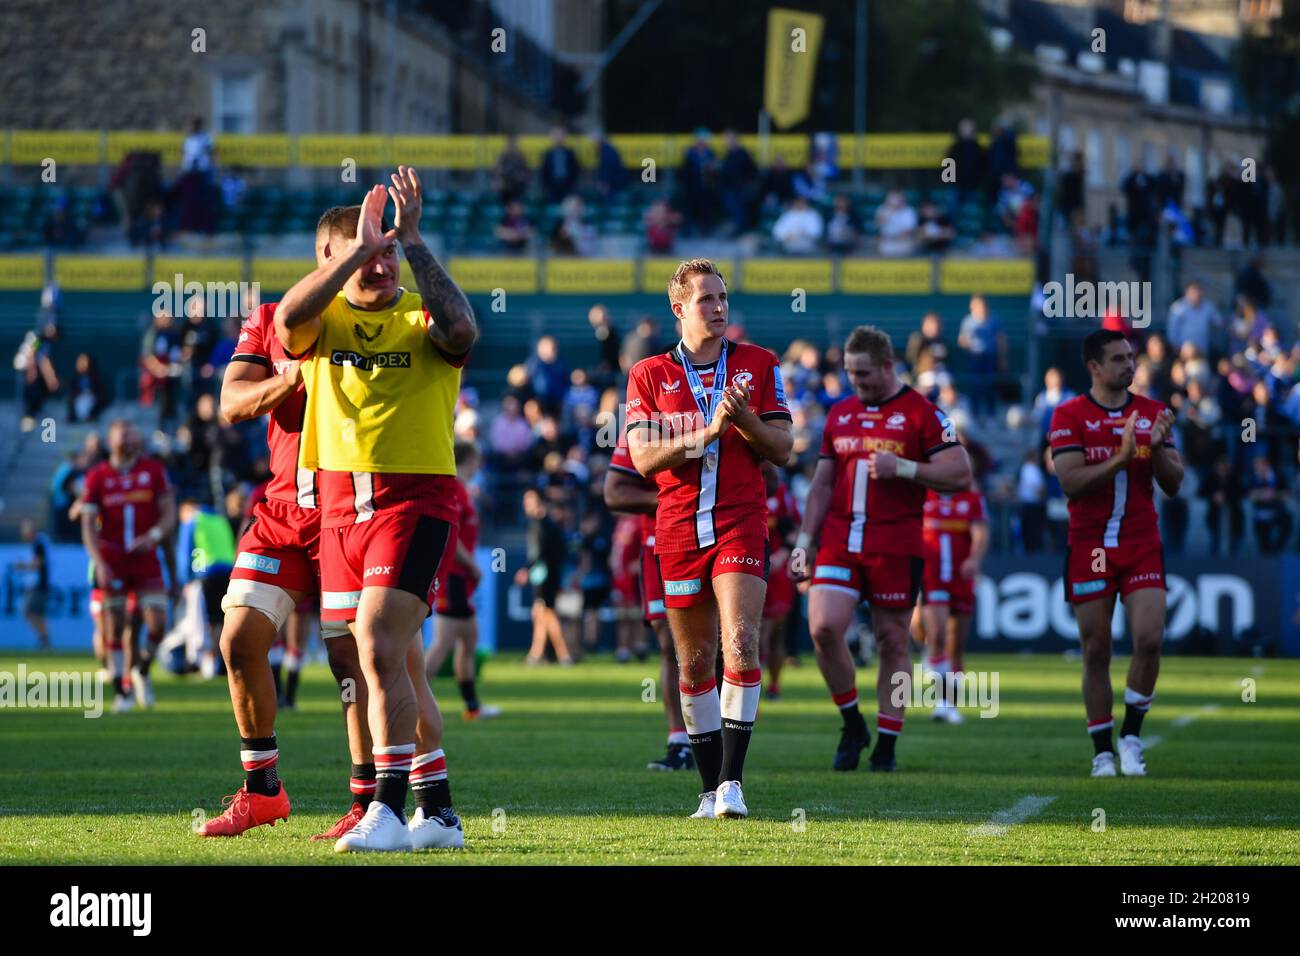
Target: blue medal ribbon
{"x":706,"y":405}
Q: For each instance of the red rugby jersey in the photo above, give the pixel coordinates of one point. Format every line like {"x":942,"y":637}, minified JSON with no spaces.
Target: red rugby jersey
{"x":1122,"y":511}
{"x":947,"y":526}
{"x":127,"y":500}
{"x":259,"y":344}
{"x":467,"y":529}
{"x":621,"y":460}
{"x":699,"y":506}
{"x":869,"y":516}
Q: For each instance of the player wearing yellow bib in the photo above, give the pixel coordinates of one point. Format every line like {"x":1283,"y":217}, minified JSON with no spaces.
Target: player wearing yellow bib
{"x":382,"y":378}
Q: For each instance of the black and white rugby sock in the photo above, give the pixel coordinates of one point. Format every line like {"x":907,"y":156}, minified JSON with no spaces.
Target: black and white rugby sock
{"x":1101,"y":732}
{"x":1135,"y":708}
{"x":702,"y":714}
{"x":392,"y":772}
{"x":259,"y":756}
{"x":740,"y":693}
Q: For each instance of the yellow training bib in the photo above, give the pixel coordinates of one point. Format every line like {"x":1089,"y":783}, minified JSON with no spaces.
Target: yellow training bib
{"x":381,"y":397}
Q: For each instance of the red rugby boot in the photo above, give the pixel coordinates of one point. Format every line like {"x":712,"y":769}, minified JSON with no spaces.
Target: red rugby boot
{"x":246,"y":810}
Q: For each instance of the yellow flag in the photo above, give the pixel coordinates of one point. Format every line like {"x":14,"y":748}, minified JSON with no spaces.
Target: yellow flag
{"x":793,"y":40}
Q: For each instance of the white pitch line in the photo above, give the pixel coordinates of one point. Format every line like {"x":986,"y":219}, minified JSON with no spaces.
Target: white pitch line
{"x":1004,"y":820}
{"x":1186,"y":719}
{"x":1149,"y":742}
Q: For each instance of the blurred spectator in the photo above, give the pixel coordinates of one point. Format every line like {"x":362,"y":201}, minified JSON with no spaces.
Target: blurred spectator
{"x":1003,"y":156}
{"x":1058,"y":508}
{"x":897,"y":223}
{"x":197,"y":150}
{"x":509,"y":436}
{"x":982,"y":338}
{"x":60,"y":228}
{"x":137,"y":187}
{"x":778,"y":184}
{"x":1275,"y":221}
{"x":573,"y":235}
{"x":1248,"y":325}
{"x":1143,"y":210}
{"x":194,"y":192}
{"x":514,"y":230}
{"x":87,"y":396}
{"x":641,"y":343}
{"x":843,"y":229}
{"x":559,"y":168}
{"x":738,"y":176}
{"x":581,"y":400}
{"x":511,"y":174}
{"x":927,"y":352}
{"x":1159,"y":367}
{"x":1031,"y":502}
{"x":1025,"y":226}
{"x":1252,"y":283}
{"x":592,"y":577}
{"x":611,"y":176}
{"x":822,"y":166}
{"x":608,"y":341}
{"x":1170,"y":183}
{"x":547,"y":550}
{"x":160,"y":366}
{"x":36,"y":586}
{"x":1222,"y":491}
{"x":697,"y":179}
{"x":1070,"y":191}
{"x":1268,"y":498}
{"x":957,"y":408}
{"x":661,"y":222}
{"x":1194,"y":319}
{"x":198,"y":339}
{"x":970,"y":162}
{"x":799,"y":228}
{"x":801,"y":369}
{"x":225,"y":346}
{"x":1053,"y":394}
{"x":934,"y":229}
{"x":548,"y":373}
{"x":34,"y":363}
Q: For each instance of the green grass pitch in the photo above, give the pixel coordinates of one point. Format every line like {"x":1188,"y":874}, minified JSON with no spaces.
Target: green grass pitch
{"x":560,"y":778}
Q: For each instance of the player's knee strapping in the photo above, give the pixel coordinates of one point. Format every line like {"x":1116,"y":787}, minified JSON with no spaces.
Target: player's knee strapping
{"x":275,"y":603}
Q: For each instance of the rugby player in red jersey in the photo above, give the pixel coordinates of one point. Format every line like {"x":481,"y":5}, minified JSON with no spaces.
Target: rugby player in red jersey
{"x":456,"y":625}
{"x":861,"y":536}
{"x":627,"y":491}
{"x":127,"y":510}
{"x":701,"y":419}
{"x":382,"y":377}
{"x":956,"y":538}
{"x":782,"y":522}
{"x":1108,"y":445}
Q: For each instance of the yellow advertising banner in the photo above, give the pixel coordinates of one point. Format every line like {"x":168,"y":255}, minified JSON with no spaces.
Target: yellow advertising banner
{"x":22,"y":272}
{"x":794,"y":38}
{"x":100,"y":273}
{"x":479,"y":275}
{"x":1034,"y":152}
{"x":438,"y":152}
{"x":657,"y":270}
{"x":277,"y":275}
{"x":197,"y":269}
{"x":255,"y":149}
{"x":886,"y":276}
{"x":590,"y":275}
{"x":783,"y":276}
{"x":363,"y":149}
{"x":132,"y":141}
{"x":793,"y":148}
{"x":906,"y":150}
{"x":32,"y":147}
{"x":534,"y":147}
{"x":987,"y":276}
{"x":666,"y":151}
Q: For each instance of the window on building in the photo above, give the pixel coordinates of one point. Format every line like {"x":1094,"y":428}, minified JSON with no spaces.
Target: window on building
{"x":1123,"y":158}
{"x":1195,"y":173}
{"x":234,"y":103}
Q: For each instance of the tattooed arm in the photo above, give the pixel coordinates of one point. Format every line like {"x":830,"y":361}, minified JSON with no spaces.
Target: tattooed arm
{"x":453,"y":329}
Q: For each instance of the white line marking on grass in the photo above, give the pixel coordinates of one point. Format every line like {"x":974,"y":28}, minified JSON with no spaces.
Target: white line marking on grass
{"x":1149,"y":742}
{"x":1186,"y":719}
{"x":1004,"y":820}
